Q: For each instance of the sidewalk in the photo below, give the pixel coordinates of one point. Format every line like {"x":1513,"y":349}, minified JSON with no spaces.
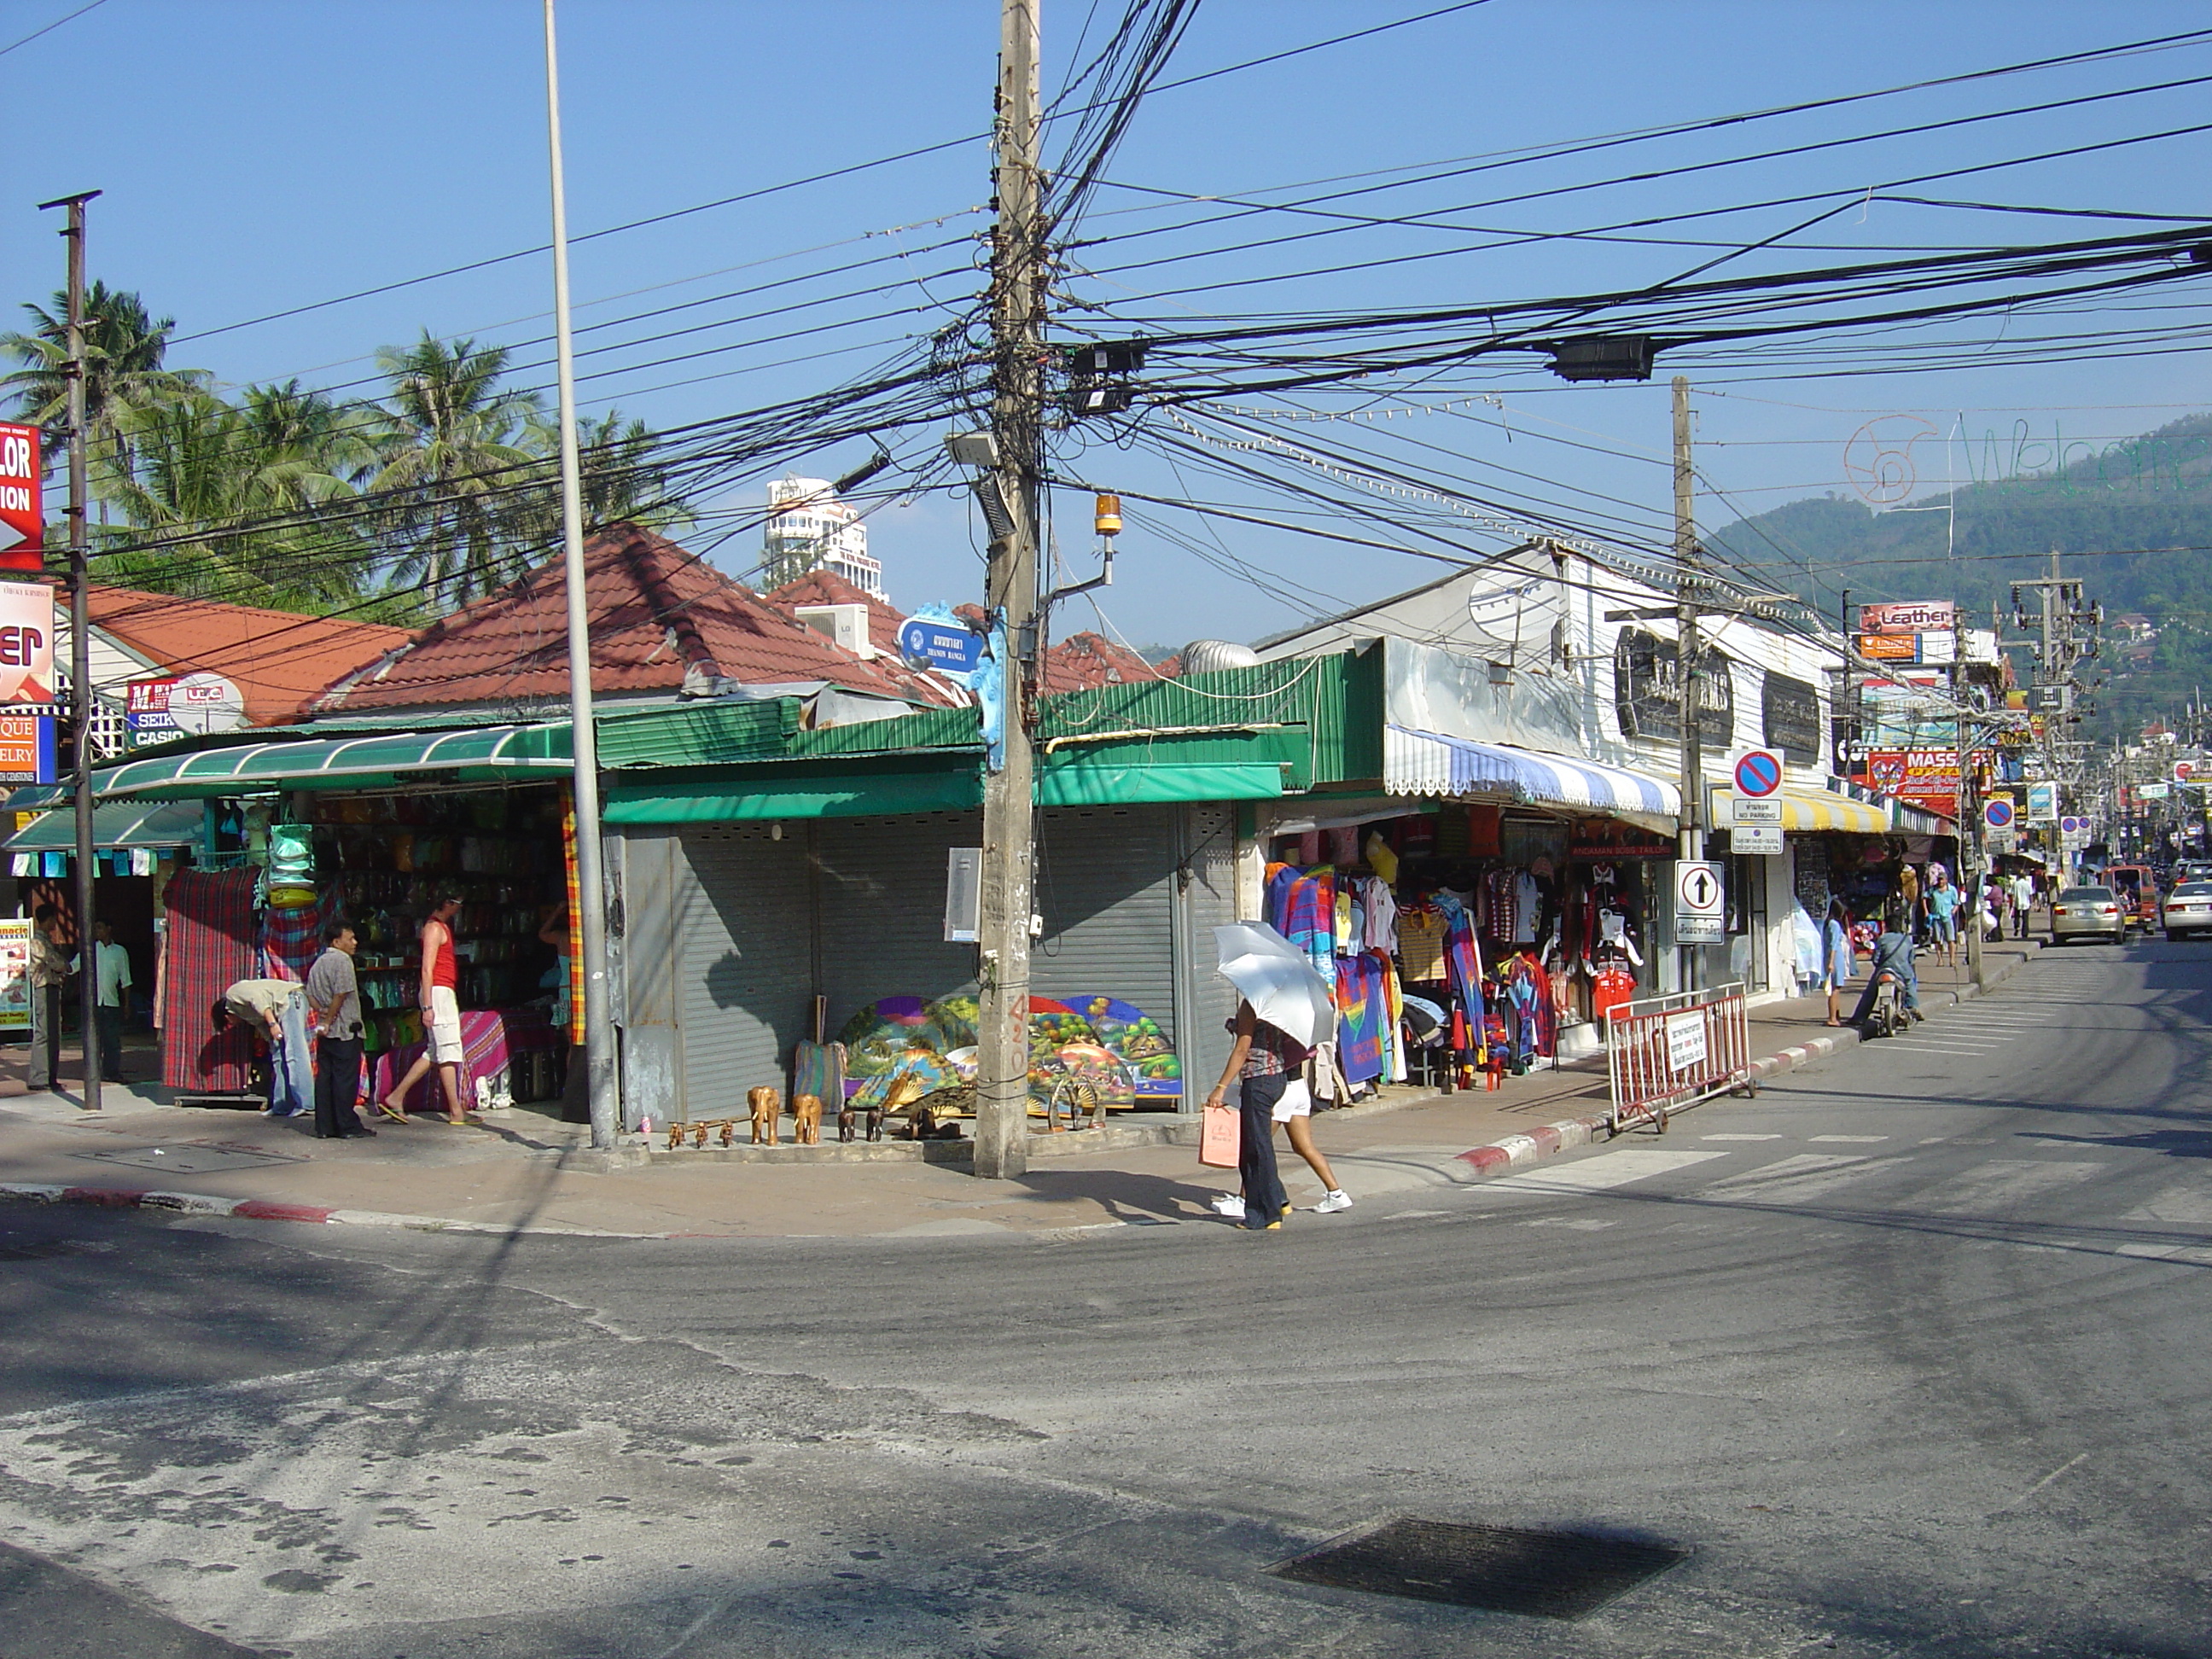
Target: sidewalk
{"x":529,"y":1172}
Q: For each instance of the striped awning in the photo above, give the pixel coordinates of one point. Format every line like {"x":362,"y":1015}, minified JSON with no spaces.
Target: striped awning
{"x":119,"y":824}
{"x":1426,"y":763}
{"x":1810,"y":809}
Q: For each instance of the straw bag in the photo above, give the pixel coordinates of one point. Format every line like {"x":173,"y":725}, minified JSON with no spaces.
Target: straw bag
{"x":1220,"y":1138}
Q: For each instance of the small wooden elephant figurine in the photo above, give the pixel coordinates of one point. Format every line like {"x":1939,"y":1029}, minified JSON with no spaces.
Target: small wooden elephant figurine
{"x":767,"y":1105}
{"x":846,"y":1120}
{"x":876,"y":1120}
{"x":806,"y":1120}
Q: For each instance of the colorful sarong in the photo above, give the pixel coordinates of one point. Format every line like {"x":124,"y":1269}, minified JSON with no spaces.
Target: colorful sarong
{"x":207,"y":947}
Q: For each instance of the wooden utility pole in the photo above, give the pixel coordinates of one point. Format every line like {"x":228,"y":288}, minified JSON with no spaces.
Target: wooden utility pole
{"x":80,"y":702}
{"x":1688,"y":648}
{"x":1009,"y":885}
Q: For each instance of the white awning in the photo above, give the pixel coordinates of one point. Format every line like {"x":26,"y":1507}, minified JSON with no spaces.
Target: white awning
{"x":1427,"y":763}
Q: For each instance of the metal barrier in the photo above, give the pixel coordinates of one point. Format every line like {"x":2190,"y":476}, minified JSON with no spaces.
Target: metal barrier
{"x":1666,"y":1053}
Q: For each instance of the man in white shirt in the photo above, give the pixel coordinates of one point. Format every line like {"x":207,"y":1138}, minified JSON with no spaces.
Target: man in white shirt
{"x":112,"y":1002}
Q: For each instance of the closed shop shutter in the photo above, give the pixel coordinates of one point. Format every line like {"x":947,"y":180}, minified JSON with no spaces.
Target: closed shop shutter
{"x":1208,"y":900}
{"x":883,"y":908}
{"x":1106,"y":889}
{"x":742,"y":943}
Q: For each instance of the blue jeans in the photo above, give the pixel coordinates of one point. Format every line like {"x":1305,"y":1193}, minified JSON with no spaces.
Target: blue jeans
{"x":291,"y":1073}
{"x":1264,"y":1197}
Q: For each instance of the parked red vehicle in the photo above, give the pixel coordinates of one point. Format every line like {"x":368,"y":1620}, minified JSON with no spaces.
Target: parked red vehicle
{"x":2138,"y":890}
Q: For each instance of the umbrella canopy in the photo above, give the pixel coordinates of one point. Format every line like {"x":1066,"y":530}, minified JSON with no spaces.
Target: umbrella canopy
{"x":1275,"y":977}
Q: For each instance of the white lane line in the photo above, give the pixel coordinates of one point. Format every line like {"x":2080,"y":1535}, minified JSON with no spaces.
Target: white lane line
{"x":1847,"y":1140}
{"x":2188,"y":1206}
{"x":2003,"y":1182}
{"x":2078,"y":1458}
{"x":1595,"y":1174}
{"x":1739,"y":1136}
{"x":1916,"y":1047}
{"x":1791,"y":1180}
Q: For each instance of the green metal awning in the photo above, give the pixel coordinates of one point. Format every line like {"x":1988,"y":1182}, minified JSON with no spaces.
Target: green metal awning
{"x":124,"y":824}
{"x":1125,"y":785}
{"x":482,"y":753}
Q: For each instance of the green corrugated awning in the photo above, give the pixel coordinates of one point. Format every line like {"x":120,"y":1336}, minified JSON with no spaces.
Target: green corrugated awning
{"x":1127,"y":785}
{"x":123,"y":824}
{"x":482,"y":754}
{"x":1060,"y":783}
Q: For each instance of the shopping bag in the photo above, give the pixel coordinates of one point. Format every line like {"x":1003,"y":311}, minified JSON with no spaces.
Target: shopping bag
{"x":1220,"y":1138}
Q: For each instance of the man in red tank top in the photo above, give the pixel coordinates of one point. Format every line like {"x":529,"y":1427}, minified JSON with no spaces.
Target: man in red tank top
{"x":442,"y":1015}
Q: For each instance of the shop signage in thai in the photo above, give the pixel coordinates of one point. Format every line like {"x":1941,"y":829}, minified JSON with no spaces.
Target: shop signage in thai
{"x":1926,"y":778}
{"x":1910,"y":616}
{"x":2154,"y":791}
{"x":1889,"y":647}
{"x":27,"y":645}
{"x":1648,"y":696}
{"x":1789,"y":719}
{"x":26,"y":749}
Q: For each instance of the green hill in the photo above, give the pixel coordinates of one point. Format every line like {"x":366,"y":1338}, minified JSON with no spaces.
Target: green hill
{"x":2133,"y":520}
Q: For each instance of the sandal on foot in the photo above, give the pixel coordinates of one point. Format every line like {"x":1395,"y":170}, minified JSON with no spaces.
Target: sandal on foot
{"x":384,"y":1108}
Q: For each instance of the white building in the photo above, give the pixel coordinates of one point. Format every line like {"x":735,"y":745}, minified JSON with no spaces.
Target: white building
{"x":815,"y":530}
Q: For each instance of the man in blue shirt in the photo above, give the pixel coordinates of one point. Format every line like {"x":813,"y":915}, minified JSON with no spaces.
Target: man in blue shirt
{"x":1893,"y":954}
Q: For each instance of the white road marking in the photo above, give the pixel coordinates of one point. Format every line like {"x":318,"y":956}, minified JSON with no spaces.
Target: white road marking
{"x":2187,"y":1206}
{"x":1792,"y":1180}
{"x":2077,"y":1458}
{"x":2003,"y":1182}
{"x":1594,"y":1175}
{"x":1853,"y":1140}
{"x":1739,"y":1136}
{"x":1582,"y":1224}
{"x":1918,"y":1045}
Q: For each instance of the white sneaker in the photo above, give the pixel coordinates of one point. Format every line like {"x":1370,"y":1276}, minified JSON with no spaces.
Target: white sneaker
{"x":1230,"y":1205}
{"x":1339,"y":1199}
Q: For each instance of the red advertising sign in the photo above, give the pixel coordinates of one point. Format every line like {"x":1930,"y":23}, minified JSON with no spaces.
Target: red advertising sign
{"x":1926,"y":778}
{"x":1910,"y":616}
{"x":27,"y":644}
{"x":1889,"y":647}
{"x":22,"y":518}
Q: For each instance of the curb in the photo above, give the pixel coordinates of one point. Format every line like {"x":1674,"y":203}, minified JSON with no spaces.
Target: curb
{"x":260,"y":1209}
{"x":1517,"y":1152}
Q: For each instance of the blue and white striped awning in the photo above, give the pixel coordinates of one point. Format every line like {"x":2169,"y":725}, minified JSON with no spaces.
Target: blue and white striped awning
{"x":1425,"y":763}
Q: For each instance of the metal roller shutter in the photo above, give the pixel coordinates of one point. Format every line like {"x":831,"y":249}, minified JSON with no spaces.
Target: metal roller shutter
{"x":741,"y":940}
{"x":882,"y":883}
{"x":1208,"y":900}
{"x":1106,"y":889}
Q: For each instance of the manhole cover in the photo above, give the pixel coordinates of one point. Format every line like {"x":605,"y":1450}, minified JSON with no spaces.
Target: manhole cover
{"x":191,"y":1160}
{"x":1551,"y":1575}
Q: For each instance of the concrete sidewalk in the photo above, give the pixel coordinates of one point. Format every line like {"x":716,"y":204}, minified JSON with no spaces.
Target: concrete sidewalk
{"x":526,"y":1172}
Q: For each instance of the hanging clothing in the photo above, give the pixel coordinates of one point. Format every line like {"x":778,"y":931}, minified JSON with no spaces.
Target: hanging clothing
{"x":1310,"y":917}
{"x":1422,"y":933}
{"x":1381,"y":933}
{"x":208,"y":946}
{"x":1275,"y":907}
{"x":1361,"y":1011}
{"x":1394,"y":1012}
{"x":1462,"y":956}
{"x":1527,"y":907}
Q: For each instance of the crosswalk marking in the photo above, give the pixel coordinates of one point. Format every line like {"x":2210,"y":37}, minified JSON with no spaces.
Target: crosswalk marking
{"x":1596,"y":1174}
{"x":2004,"y":1180}
{"x":1725,"y":1137}
{"x":1855,"y":1140}
{"x":1791,"y":1180}
{"x":2188,"y":1206}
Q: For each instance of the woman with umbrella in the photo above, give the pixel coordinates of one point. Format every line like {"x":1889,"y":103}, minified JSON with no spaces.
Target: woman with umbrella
{"x":1284,"y":1007}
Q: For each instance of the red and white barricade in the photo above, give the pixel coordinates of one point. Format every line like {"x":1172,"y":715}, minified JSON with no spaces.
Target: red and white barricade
{"x":1666,"y":1053}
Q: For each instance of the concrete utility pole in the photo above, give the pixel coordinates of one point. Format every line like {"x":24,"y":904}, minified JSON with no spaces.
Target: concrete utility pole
{"x":80,"y":702}
{"x":1009,"y":885}
{"x":1688,"y":648}
{"x":599,"y":1053}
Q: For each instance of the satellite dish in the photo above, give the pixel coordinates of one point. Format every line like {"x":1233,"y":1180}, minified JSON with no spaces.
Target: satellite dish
{"x":1211,"y":656}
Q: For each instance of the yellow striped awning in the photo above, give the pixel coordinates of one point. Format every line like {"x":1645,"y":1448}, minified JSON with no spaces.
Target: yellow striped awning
{"x":1805,"y":809}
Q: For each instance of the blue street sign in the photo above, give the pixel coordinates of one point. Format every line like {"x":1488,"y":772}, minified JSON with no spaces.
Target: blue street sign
{"x":926,"y":641}
{"x":1759,"y":774}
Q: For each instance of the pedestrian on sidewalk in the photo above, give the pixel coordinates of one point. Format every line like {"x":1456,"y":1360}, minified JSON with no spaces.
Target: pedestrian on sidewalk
{"x":111,"y":964}
{"x":2023,"y":903}
{"x":275,"y":1012}
{"x":48,"y":968}
{"x":1294,"y":1112}
{"x":1836,"y":958}
{"x":334,"y":998}
{"x":1943,"y":916}
{"x":1262,"y":1062}
{"x":439,"y":1001}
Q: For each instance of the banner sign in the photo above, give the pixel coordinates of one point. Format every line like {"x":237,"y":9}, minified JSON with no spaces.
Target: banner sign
{"x":1927,"y":778}
{"x":1647,"y":692}
{"x":26,"y":749}
{"x":22,"y":518}
{"x":1890,"y":648}
{"x":158,"y":710}
{"x":27,"y":644}
{"x":2043,"y":803}
{"x":1910,"y":616}
{"x":15,"y":973}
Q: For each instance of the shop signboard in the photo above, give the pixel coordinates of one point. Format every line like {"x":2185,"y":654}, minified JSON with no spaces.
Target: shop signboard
{"x":1789,"y":718}
{"x":1889,"y":647}
{"x":1927,"y":778}
{"x":156,"y":710}
{"x":27,"y":645}
{"x":2155,"y":790}
{"x":26,"y":749}
{"x":22,"y":517}
{"x":2184,"y":770}
{"x":1647,"y":689}
{"x":2043,"y":803}
{"x":1910,"y":616}
{"x":15,"y":973}
{"x":1700,"y":903}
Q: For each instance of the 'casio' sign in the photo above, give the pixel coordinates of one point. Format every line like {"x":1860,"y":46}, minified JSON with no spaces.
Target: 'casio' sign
{"x":19,"y":647}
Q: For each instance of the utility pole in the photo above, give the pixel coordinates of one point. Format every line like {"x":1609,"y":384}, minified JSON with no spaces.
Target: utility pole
{"x":1688,"y":651}
{"x":1009,"y":883}
{"x":80,"y":702}
{"x":599,"y":1053}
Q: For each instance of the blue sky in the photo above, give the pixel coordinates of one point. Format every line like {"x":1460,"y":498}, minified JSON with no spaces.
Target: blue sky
{"x":257,"y":157}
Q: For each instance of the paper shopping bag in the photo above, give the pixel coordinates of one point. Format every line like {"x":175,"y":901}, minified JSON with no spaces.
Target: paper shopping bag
{"x":1220,"y":1137}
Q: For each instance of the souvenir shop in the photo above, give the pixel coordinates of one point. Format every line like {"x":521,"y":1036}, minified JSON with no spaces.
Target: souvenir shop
{"x":1467,"y":938}
{"x":377,"y":860}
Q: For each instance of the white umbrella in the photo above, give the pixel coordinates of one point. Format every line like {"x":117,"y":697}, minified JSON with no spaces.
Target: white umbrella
{"x":1277,"y":979}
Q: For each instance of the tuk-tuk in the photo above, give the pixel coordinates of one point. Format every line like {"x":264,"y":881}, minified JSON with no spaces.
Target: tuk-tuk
{"x":2138,"y":890}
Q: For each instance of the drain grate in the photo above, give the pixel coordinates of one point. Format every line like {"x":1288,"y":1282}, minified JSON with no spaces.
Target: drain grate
{"x":1550,"y":1574}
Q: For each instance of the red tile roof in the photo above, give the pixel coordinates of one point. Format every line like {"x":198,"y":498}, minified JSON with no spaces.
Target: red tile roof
{"x":278,"y":659}
{"x":1084,"y":662}
{"x":658,"y":614}
{"x":828,"y":587}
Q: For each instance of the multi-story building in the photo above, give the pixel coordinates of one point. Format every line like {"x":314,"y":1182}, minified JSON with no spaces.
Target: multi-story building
{"x":814,"y":531}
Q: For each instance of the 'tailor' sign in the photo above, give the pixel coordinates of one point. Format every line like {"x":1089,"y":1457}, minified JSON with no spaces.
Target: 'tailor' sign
{"x":22,"y":518}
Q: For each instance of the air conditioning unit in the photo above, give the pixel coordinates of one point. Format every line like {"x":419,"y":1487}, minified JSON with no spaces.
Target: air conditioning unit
{"x":845,"y":626}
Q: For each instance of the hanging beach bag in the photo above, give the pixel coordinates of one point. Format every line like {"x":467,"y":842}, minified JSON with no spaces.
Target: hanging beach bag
{"x":1220,"y":1138}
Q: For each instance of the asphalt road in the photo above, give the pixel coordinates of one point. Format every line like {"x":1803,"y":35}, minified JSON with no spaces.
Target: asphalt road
{"x":1911,"y":1355}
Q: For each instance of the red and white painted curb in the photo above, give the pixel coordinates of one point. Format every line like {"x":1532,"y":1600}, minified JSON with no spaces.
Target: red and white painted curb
{"x":261,"y":1209}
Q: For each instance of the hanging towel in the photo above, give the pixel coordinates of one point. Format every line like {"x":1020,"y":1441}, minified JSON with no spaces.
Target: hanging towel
{"x":207,"y":947}
{"x":1310,"y":918}
{"x":1361,"y":1013}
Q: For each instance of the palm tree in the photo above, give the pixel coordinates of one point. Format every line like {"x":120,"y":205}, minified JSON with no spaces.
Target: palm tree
{"x":622,"y":482}
{"x":458,"y":455}
{"x":123,"y":349}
